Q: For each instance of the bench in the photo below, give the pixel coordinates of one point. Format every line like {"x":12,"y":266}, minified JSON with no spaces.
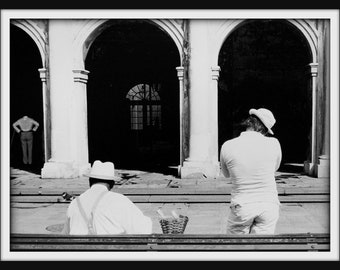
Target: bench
{"x":170,"y":242}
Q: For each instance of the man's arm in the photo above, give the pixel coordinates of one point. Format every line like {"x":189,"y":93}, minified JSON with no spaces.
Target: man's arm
{"x":35,"y":125}
{"x":16,"y":126}
{"x":279,"y":156}
{"x":66,"y":229}
{"x":224,"y":168}
{"x":140,"y":224}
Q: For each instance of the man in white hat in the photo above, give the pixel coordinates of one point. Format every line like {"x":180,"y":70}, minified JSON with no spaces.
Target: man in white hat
{"x":101,"y":211}
{"x":251,"y":161}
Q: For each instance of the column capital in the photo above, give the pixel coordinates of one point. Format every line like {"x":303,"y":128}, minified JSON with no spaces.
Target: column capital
{"x":215,"y":72}
{"x":43,"y":74}
{"x":180,"y":72}
{"x":80,"y":75}
{"x":313,"y":69}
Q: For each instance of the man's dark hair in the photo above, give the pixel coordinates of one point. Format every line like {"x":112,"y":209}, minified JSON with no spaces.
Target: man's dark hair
{"x":93,"y":181}
{"x":254,"y":123}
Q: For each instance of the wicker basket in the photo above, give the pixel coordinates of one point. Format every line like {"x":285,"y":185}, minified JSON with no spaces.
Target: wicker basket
{"x":173,"y":225}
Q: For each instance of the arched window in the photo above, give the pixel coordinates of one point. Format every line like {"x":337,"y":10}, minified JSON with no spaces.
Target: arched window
{"x":145,"y":108}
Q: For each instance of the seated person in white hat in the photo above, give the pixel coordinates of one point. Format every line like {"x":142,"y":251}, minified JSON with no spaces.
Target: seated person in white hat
{"x":101,"y":211}
{"x":251,"y":161}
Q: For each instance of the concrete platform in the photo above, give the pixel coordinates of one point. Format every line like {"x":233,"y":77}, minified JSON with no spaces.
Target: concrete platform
{"x":204,"y":218}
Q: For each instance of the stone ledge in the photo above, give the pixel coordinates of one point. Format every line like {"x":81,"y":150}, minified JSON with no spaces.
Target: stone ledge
{"x":194,"y":169}
{"x":66,"y":169}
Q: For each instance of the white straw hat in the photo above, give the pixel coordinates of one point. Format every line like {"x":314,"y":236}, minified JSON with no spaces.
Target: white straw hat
{"x":103,"y":170}
{"x":266,"y":117}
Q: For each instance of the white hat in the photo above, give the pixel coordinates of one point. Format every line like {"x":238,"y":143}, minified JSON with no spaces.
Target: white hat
{"x":103,"y":170}
{"x":266,"y":117}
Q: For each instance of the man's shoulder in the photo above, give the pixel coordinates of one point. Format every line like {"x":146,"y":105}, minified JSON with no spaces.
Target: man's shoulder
{"x":272,"y":139}
{"x":231,"y":141}
{"x":117,"y":196}
{"x":31,"y":120}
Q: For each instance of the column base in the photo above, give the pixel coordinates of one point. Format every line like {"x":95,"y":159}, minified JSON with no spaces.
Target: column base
{"x":309,"y":168}
{"x":63,"y":169}
{"x":199,"y":169}
{"x":323,"y":169}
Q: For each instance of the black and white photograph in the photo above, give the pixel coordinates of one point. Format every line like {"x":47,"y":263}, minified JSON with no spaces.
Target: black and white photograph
{"x":169,"y":134}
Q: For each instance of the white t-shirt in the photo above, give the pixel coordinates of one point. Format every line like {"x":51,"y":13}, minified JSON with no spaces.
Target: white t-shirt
{"x":114,"y":214}
{"x":251,"y":160}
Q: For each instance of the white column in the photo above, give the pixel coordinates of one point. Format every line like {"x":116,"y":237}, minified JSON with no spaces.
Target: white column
{"x":62,"y":163}
{"x":78,"y":119}
{"x":180,"y":75}
{"x":201,"y":139}
{"x":323,"y":166}
{"x":214,"y":112}
{"x":309,"y":165}
{"x":46,"y":114}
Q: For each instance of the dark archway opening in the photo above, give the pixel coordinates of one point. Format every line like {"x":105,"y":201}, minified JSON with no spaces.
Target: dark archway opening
{"x":25,"y":96}
{"x":133,"y":97}
{"x":264,"y":63}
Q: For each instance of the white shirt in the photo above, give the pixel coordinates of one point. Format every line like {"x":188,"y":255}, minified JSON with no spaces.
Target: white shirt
{"x":114,"y":214}
{"x":251,"y":160}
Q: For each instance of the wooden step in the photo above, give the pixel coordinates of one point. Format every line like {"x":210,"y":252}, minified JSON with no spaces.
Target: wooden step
{"x":170,"y":242}
{"x":165,"y":191}
{"x":175,"y":198}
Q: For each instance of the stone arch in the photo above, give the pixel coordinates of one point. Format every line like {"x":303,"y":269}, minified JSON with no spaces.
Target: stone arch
{"x":226,"y":28}
{"x":93,"y":28}
{"x":36,"y":34}
{"x":309,"y":33}
{"x":89,"y":33}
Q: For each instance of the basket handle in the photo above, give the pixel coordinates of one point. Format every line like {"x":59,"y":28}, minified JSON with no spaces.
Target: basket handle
{"x":174,"y":214}
{"x":159,"y":211}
